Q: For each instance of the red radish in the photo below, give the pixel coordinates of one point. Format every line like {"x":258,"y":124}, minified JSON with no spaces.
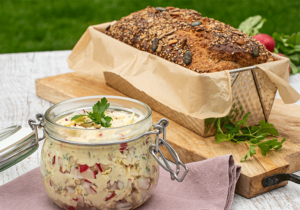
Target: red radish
{"x":74,"y":201}
{"x":66,"y":119}
{"x":87,"y":187}
{"x":70,"y":189}
{"x":94,"y":192}
{"x":53,"y":160}
{"x":52,"y":184}
{"x":88,"y":174}
{"x":95,"y":173}
{"x":80,"y":202}
{"x":83,"y":111}
{"x":266,"y":40}
{"x":123,"y":205}
{"x":120,"y":185}
{"x":110,"y":196}
{"x":143,"y":183}
{"x":83,"y":168}
{"x":60,"y":162}
{"x":99,"y":167}
{"x":87,"y":181}
{"x":285,"y":56}
{"x":75,"y":172}
{"x":112,"y":187}
{"x":123,"y":147}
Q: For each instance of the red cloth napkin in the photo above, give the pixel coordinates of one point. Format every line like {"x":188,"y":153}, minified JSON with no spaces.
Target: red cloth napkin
{"x":210,"y":184}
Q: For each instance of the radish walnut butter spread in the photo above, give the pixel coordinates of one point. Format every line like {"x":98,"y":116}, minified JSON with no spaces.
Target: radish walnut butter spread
{"x":118,"y":176}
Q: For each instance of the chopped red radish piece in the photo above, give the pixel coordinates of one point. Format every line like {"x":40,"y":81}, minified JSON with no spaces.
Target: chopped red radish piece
{"x":99,"y":167}
{"x":88,"y":174}
{"x":71,"y":160}
{"x":104,"y":167}
{"x":74,"y":201}
{"x":100,"y":134}
{"x":60,"y":162}
{"x":66,"y":119}
{"x":120,"y":185}
{"x":95,"y":173}
{"x":143,"y":183}
{"x":83,"y":168}
{"x":52,"y":184}
{"x":83,"y":111}
{"x":87,"y":187}
{"x":110,"y":196}
{"x":53,"y":160}
{"x":49,"y":154}
{"x":123,"y":146}
{"x":123,"y":205}
{"x":87,"y":181}
{"x":80,"y":202}
{"x":112,"y":187}
{"x":75,"y":172}
{"x":94,"y":192}
{"x":70,"y":189}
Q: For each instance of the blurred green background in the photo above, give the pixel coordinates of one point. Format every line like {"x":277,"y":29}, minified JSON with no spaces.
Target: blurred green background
{"x":42,"y":25}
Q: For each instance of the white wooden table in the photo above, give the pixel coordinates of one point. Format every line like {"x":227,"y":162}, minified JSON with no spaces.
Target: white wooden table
{"x":18,"y":103}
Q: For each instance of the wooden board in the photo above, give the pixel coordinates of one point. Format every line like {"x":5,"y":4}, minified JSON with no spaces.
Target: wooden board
{"x":192,"y":147}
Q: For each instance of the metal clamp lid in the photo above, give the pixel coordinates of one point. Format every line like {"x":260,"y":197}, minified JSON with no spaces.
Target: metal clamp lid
{"x":154,"y":149}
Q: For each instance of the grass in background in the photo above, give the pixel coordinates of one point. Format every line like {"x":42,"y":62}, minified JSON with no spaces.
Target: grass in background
{"x":40,"y":25}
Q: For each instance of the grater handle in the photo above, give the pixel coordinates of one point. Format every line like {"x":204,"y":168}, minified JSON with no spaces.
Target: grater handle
{"x":278,"y":178}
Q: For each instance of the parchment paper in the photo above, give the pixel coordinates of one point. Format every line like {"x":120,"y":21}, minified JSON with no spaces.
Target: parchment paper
{"x":201,"y":96}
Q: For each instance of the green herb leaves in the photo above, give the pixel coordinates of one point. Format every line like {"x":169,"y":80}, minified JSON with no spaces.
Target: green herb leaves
{"x":255,"y":134}
{"x":252,"y":25}
{"x":290,"y":47}
{"x":98,"y":116}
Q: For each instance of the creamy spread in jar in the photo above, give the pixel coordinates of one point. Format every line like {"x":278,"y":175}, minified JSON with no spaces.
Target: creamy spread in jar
{"x":119,"y":118}
{"x":119,"y":176}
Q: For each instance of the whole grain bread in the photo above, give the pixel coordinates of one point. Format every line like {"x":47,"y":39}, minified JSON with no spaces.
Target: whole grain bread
{"x":184,"y":37}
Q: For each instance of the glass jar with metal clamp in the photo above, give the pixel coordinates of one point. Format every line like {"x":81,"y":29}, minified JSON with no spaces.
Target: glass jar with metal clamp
{"x":112,"y":168}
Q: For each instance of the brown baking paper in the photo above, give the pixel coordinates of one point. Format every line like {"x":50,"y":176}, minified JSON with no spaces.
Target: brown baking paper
{"x":206,"y":95}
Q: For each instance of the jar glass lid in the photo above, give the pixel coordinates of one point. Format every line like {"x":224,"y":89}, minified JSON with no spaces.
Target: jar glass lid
{"x":16,"y":143}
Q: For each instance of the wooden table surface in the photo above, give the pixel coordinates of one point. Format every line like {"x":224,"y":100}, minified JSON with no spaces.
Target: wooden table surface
{"x":18,"y":102}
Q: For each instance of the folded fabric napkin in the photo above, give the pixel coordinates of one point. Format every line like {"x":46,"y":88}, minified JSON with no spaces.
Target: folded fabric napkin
{"x":210,"y":184}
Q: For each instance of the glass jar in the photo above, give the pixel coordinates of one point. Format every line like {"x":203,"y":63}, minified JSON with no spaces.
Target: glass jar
{"x":113,"y":168}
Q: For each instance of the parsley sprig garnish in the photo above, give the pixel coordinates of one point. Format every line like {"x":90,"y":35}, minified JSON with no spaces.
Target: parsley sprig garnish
{"x":255,"y":134}
{"x":98,"y":116}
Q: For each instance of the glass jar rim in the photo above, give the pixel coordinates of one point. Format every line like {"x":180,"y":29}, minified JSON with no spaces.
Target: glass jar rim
{"x":98,"y":96}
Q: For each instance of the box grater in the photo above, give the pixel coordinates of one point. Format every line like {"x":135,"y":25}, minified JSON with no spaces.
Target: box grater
{"x":252,"y":91}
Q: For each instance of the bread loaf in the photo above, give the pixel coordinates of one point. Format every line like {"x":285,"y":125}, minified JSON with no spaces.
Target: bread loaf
{"x":184,"y":37}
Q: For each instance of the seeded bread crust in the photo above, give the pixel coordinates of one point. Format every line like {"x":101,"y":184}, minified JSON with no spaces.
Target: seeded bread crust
{"x":184,"y":37}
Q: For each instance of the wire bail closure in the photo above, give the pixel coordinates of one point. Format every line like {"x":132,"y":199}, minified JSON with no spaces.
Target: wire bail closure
{"x":154,"y":149}
{"x":35,"y":125}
